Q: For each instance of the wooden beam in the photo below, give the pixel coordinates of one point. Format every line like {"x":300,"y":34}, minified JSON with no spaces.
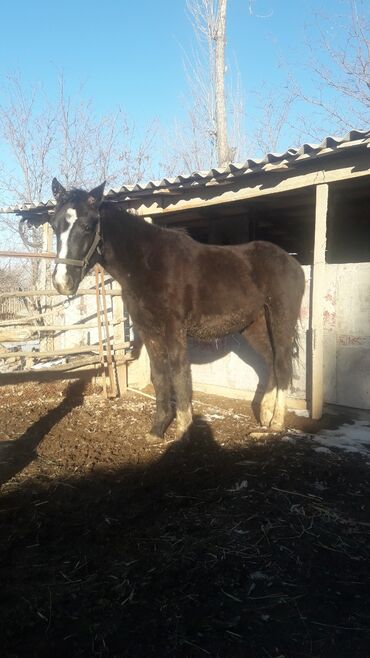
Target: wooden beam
{"x":84,"y":371}
{"x":27,"y":254}
{"x":56,"y":352}
{"x":48,"y":328}
{"x":55,"y":293}
{"x":118,"y":333}
{"x":317,"y":296}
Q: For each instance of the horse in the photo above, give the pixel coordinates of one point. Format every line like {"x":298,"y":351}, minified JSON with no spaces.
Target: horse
{"x":175,"y":287}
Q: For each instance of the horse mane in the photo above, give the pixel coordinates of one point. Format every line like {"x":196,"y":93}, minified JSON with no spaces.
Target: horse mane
{"x":108,"y":208}
{"x":75,"y":195}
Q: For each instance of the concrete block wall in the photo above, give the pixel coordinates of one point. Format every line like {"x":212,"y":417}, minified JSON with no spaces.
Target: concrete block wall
{"x":347,"y":335}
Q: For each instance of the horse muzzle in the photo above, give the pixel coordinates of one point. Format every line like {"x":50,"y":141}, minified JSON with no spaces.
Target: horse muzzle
{"x":65,"y":284}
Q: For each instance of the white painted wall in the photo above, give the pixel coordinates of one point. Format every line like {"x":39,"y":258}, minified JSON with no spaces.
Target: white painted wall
{"x":346,"y":345}
{"x":347,"y":335}
{"x":228,"y":374}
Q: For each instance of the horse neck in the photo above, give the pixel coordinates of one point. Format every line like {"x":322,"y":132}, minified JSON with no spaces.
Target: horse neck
{"x":126,"y":239}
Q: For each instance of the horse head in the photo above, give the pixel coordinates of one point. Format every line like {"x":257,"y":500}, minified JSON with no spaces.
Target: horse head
{"x":76,"y":224}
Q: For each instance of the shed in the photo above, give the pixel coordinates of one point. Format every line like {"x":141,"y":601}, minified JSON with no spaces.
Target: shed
{"x":314,"y":201}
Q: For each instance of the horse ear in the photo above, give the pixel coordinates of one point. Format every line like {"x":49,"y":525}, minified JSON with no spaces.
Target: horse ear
{"x":96,"y":195}
{"x":57,"y":189}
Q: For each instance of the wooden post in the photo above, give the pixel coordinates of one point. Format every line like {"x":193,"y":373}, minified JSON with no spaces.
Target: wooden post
{"x":317,"y":296}
{"x":100,"y":333}
{"x":43,"y":284}
{"x":48,"y":281}
{"x":112,"y":378}
{"x":118,"y":336}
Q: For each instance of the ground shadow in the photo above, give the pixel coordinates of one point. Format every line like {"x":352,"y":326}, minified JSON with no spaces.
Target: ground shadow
{"x":16,"y":454}
{"x":259,"y":549}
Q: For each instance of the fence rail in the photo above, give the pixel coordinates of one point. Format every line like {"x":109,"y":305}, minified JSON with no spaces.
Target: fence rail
{"x":50,"y":292}
{"x":109,"y":353}
{"x":63,"y":351}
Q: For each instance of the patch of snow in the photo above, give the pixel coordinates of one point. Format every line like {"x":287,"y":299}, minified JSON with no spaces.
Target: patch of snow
{"x":303,"y":413}
{"x":212,"y":417}
{"x":353,"y":438}
{"x":48,"y":364}
{"x":295,"y":432}
{"x":287,"y":439}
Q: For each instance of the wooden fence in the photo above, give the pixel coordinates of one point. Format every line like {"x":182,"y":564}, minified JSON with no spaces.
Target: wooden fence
{"x":44,"y":332}
{"x":11,"y":307}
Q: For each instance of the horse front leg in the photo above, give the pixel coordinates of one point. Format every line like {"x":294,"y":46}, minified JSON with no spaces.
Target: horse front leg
{"x":161,"y":379}
{"x":181,"y":381}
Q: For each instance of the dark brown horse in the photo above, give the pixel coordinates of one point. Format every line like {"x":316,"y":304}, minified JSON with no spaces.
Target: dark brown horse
{"x":175,"y":287}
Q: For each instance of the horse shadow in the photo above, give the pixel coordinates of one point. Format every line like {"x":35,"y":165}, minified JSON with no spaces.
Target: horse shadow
{"x":16,"y":454}
{"x":201,"y":353}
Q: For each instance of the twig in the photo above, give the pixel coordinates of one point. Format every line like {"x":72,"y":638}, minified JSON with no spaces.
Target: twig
{"x":296,"y":493}
{"x":342,"y":628}
{"x":196,"y":646}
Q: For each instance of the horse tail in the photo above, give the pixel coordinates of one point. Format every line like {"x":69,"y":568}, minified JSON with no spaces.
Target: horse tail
{"x":295,"y":343}
{"x":295,"y":340}
{"x":270,"y":330}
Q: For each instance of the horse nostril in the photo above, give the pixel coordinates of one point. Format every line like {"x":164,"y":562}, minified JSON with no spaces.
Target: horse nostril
{"x":63,"y":282}
{"x":69,"y":282}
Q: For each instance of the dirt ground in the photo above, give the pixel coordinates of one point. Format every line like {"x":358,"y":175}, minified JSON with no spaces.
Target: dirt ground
{"x":221,"y":545}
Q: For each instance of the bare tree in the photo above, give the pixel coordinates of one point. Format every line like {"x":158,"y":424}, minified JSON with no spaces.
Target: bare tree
{"x":41,"y":139}
{"x":215,"y":130}
{"x":274,"y":106}
{"x":223,"y":151}
{"x":9,"y":278}
{"x":208,"y":71}
{"x":205,"y":67}
{"x":340,"y":62}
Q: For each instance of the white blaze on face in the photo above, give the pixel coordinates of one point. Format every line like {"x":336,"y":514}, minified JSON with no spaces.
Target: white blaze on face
{"x":60,"y":276}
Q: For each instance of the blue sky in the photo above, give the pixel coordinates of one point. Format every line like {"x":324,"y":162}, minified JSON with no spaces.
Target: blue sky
{"x":131,"y":54}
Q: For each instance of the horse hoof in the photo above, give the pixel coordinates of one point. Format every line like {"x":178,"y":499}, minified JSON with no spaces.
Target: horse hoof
{"x":276,"y":427}
{"x":260,"y":433}
{"x":260,"y":429}
{"x":153,"y":438}
{"x":183,"y":435}
{"x":263,"y":432}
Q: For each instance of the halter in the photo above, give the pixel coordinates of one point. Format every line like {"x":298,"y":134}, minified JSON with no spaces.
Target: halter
{"x":84,"y":263}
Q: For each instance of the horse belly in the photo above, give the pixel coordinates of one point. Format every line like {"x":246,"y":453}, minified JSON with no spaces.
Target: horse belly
{"x":208,"y":327}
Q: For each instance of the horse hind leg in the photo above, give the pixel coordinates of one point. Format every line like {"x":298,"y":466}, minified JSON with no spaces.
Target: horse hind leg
{"x":257,"y":337}
{"x":282,"y":333}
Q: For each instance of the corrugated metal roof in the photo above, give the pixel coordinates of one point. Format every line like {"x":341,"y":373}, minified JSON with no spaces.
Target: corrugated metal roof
{"x":270,"y":162}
